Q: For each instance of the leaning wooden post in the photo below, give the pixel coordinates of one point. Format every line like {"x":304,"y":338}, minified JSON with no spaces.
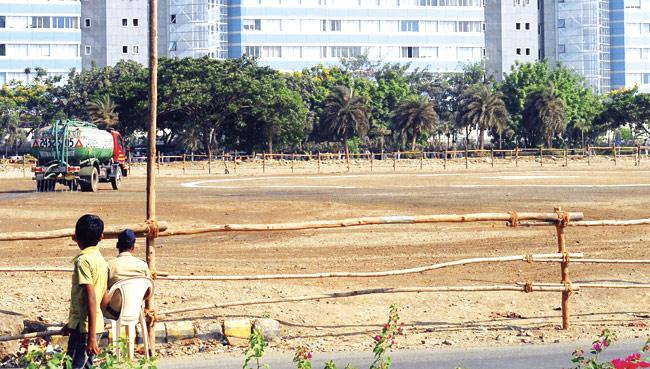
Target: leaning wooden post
{"x":319,"y":162}
{"x":563,"y":220}
{"x":466,"y":158}
{"x":517,"y":156}
{"x":293,"y":158}
{"x":492,"y":156}
{"x":184,"y":159}
{"x":615,"y":155}
{"x":541,"y":156}
{"x":566,"y":157}
{"x":151,"y":177}
{"x":264,"y":162}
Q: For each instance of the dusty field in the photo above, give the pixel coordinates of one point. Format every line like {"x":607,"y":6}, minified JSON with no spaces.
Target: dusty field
{"x":600,"y":191}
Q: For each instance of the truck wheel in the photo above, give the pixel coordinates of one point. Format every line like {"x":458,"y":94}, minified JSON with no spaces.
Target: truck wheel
{"x":116,"y":181}
{"x":90,"y":183}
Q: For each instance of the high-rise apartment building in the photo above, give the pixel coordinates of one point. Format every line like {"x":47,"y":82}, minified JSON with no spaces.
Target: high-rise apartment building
{"x":38,"y":34}
{"x":576,"y":34}
{"x":630,"y":34}
{"x":114,"y":30}
{"x":294,"y":34}
{"x":511,"y":34}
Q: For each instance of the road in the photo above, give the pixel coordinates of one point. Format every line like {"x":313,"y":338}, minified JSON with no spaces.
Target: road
{"x":554,"y":356}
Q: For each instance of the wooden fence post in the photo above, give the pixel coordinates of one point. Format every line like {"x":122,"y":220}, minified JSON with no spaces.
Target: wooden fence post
{"x":444,"y":164}
{"x":566,"y":157}
{"x":638,"y":155}
{"x":158,"y":163}
{"x":347,"y":161}
{"x":466,"y":158}
{"x":422,"y":160}
{"x":319,"y":162}
{"x":263,"y":163}
{"x":394,"y":161}
{"x":517,"y":156}
{"x":293,"y":158}
{"x":371,"y":156}
{"x":615,"y":155}
{"x":588,"y":155}
{"x":184,"y":158}
{"x":209,"y":161}
{"x":562,"y":249}
{"x":492,"y":156}
{"x":541,"y":156}
{"x":24,"y":170}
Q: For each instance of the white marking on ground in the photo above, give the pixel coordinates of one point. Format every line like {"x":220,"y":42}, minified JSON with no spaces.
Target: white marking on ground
{"x":517,"y":178}
{"x":555,"y":185}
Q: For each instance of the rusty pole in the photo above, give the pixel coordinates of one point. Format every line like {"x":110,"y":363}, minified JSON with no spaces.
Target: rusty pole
{"x":517,"y":156}
{"x":151,"y":177}
{"x":562,"y":249}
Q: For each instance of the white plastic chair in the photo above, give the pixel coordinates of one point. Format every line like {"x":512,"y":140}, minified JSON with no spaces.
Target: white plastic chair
{"x":133,"y":292}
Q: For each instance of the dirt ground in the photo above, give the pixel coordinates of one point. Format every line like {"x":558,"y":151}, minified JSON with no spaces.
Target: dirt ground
{"x":601,"y":191}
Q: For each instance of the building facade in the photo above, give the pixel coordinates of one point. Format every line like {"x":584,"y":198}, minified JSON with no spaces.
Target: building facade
{"x":294,"y":34}
{"x":114,"y":30}
{"x":511,"y":34}
{"x":38,"y":36}
{"x":576,"y":34}
{"x":630,"y":33}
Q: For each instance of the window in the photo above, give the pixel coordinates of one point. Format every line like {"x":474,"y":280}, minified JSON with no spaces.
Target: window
{"x":136,"y":22}
{"x":409,"y":26}
{"x":527,"y":26}
{"x":136,"y":49}
{"x":527,"y":51}
{"x":173,"y":46}
{"x":518,"y":26}
{"x":252,"y":24}
{"x":87,"y":22}
{"x":125,"y":22}
{"x":65,"y":22}
{"x":125,"y":49}
{"x":87,"y":50}
{"x":345,"y":51}
{"x":172,"y":19}
{"x":410,"y":52}
{"x":518,"y":52}
{"x":271,"y":52}
{"x":3,"y":50}
{"x":253,"y":51}
{"x":40,"y":22}
{"x":3,"y":21}
{"x":561,"y":23}
{"x":561,"y":48}
{"x":333,"y":25}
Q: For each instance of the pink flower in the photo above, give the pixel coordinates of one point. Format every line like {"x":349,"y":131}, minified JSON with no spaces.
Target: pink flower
{"x":597,"y":346}
{"x":605,"y":343}
{"x":377,"y":338}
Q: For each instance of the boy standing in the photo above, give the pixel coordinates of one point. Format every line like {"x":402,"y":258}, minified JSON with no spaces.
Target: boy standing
{"x":89,"y":281}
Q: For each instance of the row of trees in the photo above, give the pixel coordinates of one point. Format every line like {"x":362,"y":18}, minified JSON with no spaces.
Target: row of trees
{"x":207,"y":104}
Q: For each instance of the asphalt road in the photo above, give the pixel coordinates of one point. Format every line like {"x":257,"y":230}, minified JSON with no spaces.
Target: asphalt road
{"x":554,"y":356}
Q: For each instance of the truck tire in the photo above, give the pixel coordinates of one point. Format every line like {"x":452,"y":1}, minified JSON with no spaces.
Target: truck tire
{"x":116,"y":181}
{"x":90,"y":183}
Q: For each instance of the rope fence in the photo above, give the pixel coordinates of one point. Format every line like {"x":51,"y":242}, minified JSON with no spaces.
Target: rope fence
{"x":235,"y":163}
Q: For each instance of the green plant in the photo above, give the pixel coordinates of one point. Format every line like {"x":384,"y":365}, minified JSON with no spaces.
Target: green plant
{"x":385,"y":341}
{"x":303,"y":358}
{"x":591,"y":359}
{"x":256,"y":346}
{"x":108,"y":359}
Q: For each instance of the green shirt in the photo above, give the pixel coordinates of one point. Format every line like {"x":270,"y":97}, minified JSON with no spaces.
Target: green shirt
{"x":89,"y":268}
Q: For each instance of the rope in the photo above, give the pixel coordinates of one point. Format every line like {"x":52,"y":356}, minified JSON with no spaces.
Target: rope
{"x":562,"y":218}
{"x":529,"y":258}
{"x":566,"y":257}
{"x":153,"y":228}
{"x":569,"y":287}
{"x":514,"y":219}
{"x":528,"y":287}
{"x":151,"y":316}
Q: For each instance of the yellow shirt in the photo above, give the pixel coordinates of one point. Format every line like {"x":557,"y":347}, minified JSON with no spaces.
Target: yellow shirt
{"x":126,"y":266}
{"x":89,"y":268}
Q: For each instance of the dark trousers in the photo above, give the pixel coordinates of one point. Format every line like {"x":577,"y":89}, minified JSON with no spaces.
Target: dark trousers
{"x":77,"y":344}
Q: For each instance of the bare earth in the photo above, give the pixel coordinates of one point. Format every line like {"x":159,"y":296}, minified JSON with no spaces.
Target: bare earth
{"x":601,"y":191}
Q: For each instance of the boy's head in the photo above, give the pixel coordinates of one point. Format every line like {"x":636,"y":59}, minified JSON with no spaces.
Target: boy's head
{"x":126,"y":240}
{"x":88,"y":231}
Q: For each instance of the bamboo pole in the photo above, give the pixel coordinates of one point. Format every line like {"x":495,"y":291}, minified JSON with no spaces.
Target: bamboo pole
{"x":353,"y":222}
{"x":151,"y":178}
{"x":444,"y":164}
{"x":542,"y":258}
{"x":209,"y":161}
{"x":637,"y":155}
{"x":27,"y":336}
{"x":541,"y":156}
{"x":466,"y":158}
{"x":109,"y":233}
{"x":373,"y":291}
{"x":602,"y":223}
{"x":263,"y":163}
{"x":564,"y":267}
{"x":615,"y":156}
{"x":319,"y":160}
{"x":566,"y":157}
{"x":35,"y":270}
{"x":184,"y":162}
{"x":492,"y":157}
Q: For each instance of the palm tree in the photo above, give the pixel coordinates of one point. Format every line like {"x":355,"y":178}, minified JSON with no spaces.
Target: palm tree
{"x":414,"y":116}
{"x":102,"y":112}
{"x":545,"y":112}
{"x":344,"y":115}
{"x":481,"y":106}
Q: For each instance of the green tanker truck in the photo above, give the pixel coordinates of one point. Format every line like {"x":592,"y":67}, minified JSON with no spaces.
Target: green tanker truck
{"x":79,"y":155}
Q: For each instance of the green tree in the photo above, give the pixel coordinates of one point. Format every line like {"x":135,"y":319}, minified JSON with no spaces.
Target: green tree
{"x":345,"y":115}
{"x":102,"y":112}
{"x":483,"y":107}
{"x":413,"y":117}
{"x":544,"y":115}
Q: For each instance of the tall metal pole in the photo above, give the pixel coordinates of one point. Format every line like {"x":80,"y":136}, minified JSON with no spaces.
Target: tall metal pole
{"x":151,"y":176}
